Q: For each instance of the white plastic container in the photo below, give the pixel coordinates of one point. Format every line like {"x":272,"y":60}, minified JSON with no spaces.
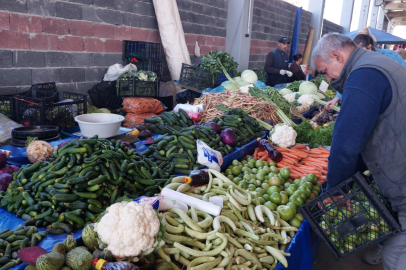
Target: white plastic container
{"x":105,"y":125}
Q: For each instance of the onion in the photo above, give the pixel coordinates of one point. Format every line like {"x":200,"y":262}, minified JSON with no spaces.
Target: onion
{"x":228,"y":137}
{"x":214,"y":126}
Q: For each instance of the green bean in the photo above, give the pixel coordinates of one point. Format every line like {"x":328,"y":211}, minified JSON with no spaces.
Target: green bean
{"x":186,"y":219}
{"x":204,"y":253}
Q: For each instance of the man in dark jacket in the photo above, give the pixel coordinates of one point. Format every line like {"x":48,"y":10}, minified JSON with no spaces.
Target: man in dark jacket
{"x":371,"y":126}
{"x":276,"y":64}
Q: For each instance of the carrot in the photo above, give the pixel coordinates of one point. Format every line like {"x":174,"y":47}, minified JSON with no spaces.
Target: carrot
{"x":255,"y":153}
{"x":324,"y":150}
{"x":264,"y":157}
{"x":318,"y":156}
{"x":324,"y":172}
{"x":290,"y":156}
{"x":268,"y":159}
{"x":261,"y":154}
{"x":323,"y":177}
{"x":291,"y":160}
{"x":299,"y":153}
{"x":299,"y":146}
{"x":294,"y":176}
{"x":315,"y":160}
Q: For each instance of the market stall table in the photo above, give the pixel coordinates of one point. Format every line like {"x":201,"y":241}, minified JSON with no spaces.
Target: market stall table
{"x":303,"y":246}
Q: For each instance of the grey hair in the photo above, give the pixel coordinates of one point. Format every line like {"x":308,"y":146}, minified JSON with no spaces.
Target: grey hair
{"x":331,"y":42}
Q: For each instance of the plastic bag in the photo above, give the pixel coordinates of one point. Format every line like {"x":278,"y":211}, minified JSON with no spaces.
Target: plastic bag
{"x":218,"y":89}
{"x":194,"y":111}
{"x":6,"y":126}
{"x":133,"y":119}
{"x":142,"y":105}
{"x":116,"y":70}
{"x":208,"y":157}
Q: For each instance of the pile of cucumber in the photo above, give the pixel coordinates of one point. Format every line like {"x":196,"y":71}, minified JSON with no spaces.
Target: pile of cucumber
{"x":79,"y":183}
{"x":169,"y":122}
{"x":11,"y":241}
{"x":177,"y":153}
{"x":246,"y":127}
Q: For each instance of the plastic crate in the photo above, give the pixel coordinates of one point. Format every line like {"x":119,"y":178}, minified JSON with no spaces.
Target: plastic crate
{"x":136,"y":88}
{"x":343,"y":231}
{"x":45,"y":91}
{"x":38,"y":111}
{"x":149,"y":65}
{"x":141,"y":50}
{"x":104,"y":95}
{"x":7,"y":106}
{"x":196,"y":78}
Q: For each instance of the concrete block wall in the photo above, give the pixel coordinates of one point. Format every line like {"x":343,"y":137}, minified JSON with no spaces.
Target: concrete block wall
{"x":73,"y":42}
{"x":330,"y":27}
{"x":273,"y":19}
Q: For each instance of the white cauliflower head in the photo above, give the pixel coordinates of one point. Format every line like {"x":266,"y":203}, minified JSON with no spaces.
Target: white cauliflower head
{"x":289,"y":97}
{"x":306,"y":100}
{"x":128,"y":228}
{"x":283,"y":136}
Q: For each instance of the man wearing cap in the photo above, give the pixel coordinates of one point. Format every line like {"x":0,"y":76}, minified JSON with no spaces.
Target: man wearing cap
{"x":276,"y":64}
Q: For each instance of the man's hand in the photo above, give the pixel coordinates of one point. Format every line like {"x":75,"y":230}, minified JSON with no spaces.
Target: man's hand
{"x":282,"y":72}
{"x":337,"y":198}
{"x":329,"y":105}
{"x":289,"y":73}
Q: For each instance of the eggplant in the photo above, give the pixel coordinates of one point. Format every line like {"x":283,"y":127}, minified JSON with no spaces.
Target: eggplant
{"x":144,"y":134}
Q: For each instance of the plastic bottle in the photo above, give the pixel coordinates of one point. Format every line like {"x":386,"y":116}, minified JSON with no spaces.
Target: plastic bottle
{"x":197,"y":178}
{"x":272,"y":152}
{"x":101,"y":264}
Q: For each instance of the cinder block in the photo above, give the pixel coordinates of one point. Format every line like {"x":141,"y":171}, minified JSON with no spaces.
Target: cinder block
{"x":6,"y":59}
{"x":43,"y":75}
{"x":44,"y":42}
{"x":28,"y":59}
{"x":70,"y":43}
{"x":26,"y":24}
{"x":81,"y":28}
{"x":82,"y":59}
{"x":104,"y":3}
{"x":10,"y":77}
{"x":41,"y":7}
{"x":69,"y":75}
{"x":110,"y":16}
{"x":13,"y":5}
{"x":57,"y":59}
{"x":68,"y":10}
{"x":103,"y":30}
{"x":94,"y":74}
{"x":123,"y":5}
{"x":55,"y":26}
{"x":14,"y":40}
{"x":89,"y":14}
{"x":104,"y":59}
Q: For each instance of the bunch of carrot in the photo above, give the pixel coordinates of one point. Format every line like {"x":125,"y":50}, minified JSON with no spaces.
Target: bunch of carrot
{"x":301,"y":161}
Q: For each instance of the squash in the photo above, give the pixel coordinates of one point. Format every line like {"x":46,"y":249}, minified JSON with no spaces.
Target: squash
{"x":50,"y":261}
{"x":89,"y":237}
{"x":103,"y":254}
{"x":69,"y":243}
{"x":79,"y":259}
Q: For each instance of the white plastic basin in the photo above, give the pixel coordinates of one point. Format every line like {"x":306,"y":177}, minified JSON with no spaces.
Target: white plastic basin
{"x":104,"y":125}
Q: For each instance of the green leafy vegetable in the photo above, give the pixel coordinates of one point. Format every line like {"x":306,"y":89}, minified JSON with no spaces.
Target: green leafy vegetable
{"x":210,"y":62}
{"x":306,"y":134}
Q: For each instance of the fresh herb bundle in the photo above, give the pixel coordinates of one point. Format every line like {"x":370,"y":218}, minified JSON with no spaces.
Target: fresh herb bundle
{"x":306,"y":134}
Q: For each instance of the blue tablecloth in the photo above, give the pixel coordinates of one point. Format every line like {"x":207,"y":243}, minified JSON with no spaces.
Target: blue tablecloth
{"x":303,"y":247}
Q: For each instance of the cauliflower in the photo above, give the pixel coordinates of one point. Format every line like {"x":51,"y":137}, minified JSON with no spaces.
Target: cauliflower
{"x":128,"y":228}
{"x":283,"y":135}
{"x":306,"y":100}
{"x":289,"y":97}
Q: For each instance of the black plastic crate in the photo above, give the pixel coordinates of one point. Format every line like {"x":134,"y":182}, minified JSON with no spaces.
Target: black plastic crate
{"x":38,"y":111}
{"x":344,"y":232}
{"x":7,"y":106}
{"x":141,"y":50}
{"x":196,"y":78}
{"x":149,"y":65}
{"x":136,"y":88}
{"x":104,"y":95}
{"x":45,"y":91}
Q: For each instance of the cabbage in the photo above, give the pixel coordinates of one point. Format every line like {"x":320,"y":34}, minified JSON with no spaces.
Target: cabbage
{"x":243,"y":83}
{"x":229,"y":85}
{"x":237,"y":79}
{"x":307,"y":88}
{"x":249,"y":76}
{"x":285,"y":91}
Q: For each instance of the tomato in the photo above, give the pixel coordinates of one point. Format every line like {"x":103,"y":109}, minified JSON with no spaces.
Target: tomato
{"x":313,"y":178}
{"x":266,"y":197}
{"x":308,"y":185}
{"x":231,"y":177}
{"x":301,"y":194}
{"x":285,"y":173}
{"x":306,"y":191}
{"x":227,"y":172}
{"x":316,"y":188}
{"x":271,"y":206}
{"x":271,"y":190}
{"x":290,"y":190}
{"x":276,"y":198}
{"x":236,"y":170}
{"x":283,"y":181}
{"x":274,"y":169}
{"x":285,"y":212}
{"x":293,"y":206}
{"x":299,"y":216}
{"x":259,"y":164}
{"x":260,"y":191}
{"x":285,"y":199}
{"x":235,"y":162}
{"x":265,"y":186}
{"x":261,"y":200}
{"x":294,"y":222}
{"x":296,"y":182}
{"x":274,"y":181}
{"x":243,"y":184}
{"x":296,"y":199}
{"x":272,"y":164}
{"x":286,"y":185}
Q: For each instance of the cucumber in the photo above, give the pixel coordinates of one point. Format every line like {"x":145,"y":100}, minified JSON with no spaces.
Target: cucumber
{"x":75,"y":218}
{"x":95,"y":209}
{"x":86,"y":195}
{"x":76,"y":205}
{"x":76,"y":180}
{"x":65,"y":197}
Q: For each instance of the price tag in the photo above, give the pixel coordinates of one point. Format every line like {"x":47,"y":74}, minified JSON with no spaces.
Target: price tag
{"x":323,"y":86}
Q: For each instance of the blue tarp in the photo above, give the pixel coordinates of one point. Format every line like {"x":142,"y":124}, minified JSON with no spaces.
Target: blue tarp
{"x":381,"y":36}
{"x":303,"y":247}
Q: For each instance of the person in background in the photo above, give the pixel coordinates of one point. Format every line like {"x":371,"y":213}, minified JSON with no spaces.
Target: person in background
{"x":370,"y":129}
{"x":367,"y":42}
{"x":276,"y":64}
{"x":295,"y":68}
{"x":402,"y":53}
